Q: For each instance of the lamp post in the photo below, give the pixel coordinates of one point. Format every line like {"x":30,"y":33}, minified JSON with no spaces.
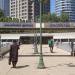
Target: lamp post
{"x":35,"y":43}
{"x":41,"y":62}
{"x":35,"y":38}
{"x":0,"y":45}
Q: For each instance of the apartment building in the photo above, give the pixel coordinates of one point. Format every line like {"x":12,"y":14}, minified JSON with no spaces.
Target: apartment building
{"x":26,"y":9}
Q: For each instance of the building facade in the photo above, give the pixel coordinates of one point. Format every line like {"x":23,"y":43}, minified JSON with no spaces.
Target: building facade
{"x":26,"y":9}
{"x":4,"y":6}
{"x":67,"y":6}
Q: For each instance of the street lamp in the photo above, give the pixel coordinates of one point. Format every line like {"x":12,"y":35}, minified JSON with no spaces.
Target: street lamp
{"x":41,"y":62}
{"x":35,"y":43}
{"x":0,"y":45}
{"x":35,"y":38}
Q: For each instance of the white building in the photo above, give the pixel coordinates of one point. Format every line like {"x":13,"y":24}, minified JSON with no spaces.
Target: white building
{"x":26,"y":9}
{"x":19,"y":9}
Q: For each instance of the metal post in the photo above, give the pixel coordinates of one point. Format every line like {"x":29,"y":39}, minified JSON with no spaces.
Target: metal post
{"x":35,"y":38}
{"x":41,"y":62}
{"x":0,"y":45}
{"x":35,"y":43}
{"x":73,"y":50}
{"x":72,"y":47}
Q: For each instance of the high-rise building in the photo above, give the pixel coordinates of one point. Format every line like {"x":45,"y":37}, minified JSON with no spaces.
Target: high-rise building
{"x":26,"y":9}
{"x":4,"y":6}
{"x":67,"y":6}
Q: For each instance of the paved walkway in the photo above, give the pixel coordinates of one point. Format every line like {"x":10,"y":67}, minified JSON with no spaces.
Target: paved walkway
{"x":27,"y":65}
{"x":29,"y":50}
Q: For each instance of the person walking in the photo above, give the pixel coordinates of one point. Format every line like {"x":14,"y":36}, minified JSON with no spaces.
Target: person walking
{"x":13,"y":54}
{"x":50,"y":43}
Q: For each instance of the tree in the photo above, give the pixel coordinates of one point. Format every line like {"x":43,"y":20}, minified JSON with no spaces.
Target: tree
{"x":64,"y":17}
{"x":9,"y":19}
{"x":1,"y":19}
{"x":45,"y":18}
{"x":15,"y":20}
{"x":1,"y":13}
{"x":49,"y":18}
{"x":54,"y":18}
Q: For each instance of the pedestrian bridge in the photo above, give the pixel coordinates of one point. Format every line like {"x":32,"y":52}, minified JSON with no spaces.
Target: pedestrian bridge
{"x":6,"y":27}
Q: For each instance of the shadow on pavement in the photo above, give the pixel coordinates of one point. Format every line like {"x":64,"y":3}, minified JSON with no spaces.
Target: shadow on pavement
{"x":45,"y":55}
{"x":56,"y":65}
{"x":50,"y":52}
{"x":18,"y":67}
{"x":70,"y":65}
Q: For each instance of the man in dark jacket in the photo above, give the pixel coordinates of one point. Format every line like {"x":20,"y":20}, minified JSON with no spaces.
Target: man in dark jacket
{"x":13,"y":54}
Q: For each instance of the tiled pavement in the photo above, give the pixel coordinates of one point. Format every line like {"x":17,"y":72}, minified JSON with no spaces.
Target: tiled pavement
{"x":60,"y":63}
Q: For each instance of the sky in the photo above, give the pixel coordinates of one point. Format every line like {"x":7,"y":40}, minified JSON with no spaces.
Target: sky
{"x":52,"y":6}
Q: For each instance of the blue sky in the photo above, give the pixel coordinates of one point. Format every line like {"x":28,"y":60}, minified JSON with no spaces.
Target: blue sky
{"x":52,"y":6}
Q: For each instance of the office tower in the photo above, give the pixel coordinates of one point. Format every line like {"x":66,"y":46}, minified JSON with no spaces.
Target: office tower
{"x":67,"y":6}
{"x":4,"y":6}
{"x":26,"y":9}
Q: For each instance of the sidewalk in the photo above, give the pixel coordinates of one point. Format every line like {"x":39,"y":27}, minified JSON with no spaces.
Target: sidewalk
{"x":29,"y":50}
{"x":28,"y":65}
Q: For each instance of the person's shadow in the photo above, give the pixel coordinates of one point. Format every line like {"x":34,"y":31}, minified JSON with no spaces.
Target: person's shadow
{"x":70,"y":65}
{"x":18,"y":67}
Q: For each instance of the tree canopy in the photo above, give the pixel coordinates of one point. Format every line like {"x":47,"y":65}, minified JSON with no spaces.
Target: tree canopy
{"x":54,"y":18}
{"x":1,"y":13}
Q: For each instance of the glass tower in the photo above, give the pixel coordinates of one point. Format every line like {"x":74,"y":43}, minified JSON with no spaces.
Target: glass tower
{"x":67,"y":6}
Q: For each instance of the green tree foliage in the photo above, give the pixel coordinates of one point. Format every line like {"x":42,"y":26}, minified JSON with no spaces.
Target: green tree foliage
{"x":8,"y":19}
{"x":1,"y":19}
{"x":54,"y":18}
{"x":44,"y":1}
{"x":64,"y":17}
{"x":1,"y":13}
{"x":15,"y":20}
